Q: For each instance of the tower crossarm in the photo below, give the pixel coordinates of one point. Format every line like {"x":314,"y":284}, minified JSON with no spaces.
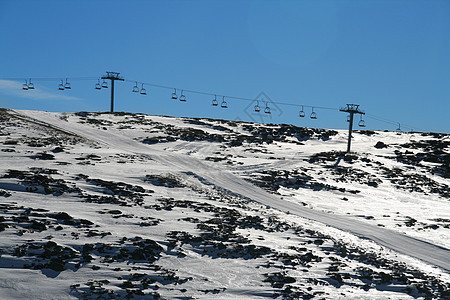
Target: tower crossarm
{"x":352,"y":108}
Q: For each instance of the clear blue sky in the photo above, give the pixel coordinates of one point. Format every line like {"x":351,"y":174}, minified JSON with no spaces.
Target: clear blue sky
{"x":391,"y":57}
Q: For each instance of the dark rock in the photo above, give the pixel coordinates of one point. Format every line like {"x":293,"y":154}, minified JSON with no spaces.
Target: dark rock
{"x":61,"y":216}
{"x":44,"y":156}
{"x":380,"y":145}
{"x":58,"y":150}
{"x":10,"y":142}
{"x":56,"y":265}
{"x":36,"y":225}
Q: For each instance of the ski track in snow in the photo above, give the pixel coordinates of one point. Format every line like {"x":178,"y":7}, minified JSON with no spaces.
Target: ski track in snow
{"x":223,"y":179}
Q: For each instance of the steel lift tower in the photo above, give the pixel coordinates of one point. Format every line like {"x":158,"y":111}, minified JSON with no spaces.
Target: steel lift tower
{"x":113,"y":76}
{"x":351,"y":109}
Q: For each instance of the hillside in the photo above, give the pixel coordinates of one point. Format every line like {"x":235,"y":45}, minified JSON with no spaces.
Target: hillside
{"x":118,"y":205}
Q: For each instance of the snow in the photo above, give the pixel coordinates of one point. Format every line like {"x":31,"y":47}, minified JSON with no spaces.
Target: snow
{"x":109,"y":147}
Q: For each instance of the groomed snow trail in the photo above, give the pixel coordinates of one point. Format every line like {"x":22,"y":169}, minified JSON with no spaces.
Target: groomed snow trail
{"x":223,"y":179}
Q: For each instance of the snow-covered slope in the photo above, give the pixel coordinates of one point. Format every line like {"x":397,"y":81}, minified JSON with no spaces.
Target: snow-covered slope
{"x":127,"y":205}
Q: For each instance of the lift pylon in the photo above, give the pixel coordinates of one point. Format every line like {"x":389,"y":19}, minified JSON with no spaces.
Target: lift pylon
{"x":351,"y":109}
{"x":113,"y":76}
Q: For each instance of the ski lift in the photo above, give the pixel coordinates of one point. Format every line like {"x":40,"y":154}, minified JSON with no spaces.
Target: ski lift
{"x":25,"y":85}
{"x":143,"y":91}
{"x":214,"y":102}
{"x":182,"y":97}
{"x":267,"y":109}
{"x":30,"y":85}
{"x":135,"y":88}
{"x":224,"y":103}
{"x":61,"y":86}
{"x":104,"y":84}
{"x":174,"y":95}
{"x":97,"y":85}
{"x":257,"y":108}
{"x":67,"y":85}
{"x":398,"y":129}
{"x":301,"y":114}
{"x":362,"y":123}
{"x":313,"y":114}
{"x":348,"y":118}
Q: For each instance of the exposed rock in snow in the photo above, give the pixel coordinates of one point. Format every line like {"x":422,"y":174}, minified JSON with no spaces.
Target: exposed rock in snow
{"x":101,"y":205}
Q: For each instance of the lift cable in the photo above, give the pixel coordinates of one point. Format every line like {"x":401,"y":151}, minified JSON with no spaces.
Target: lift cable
{"x":61,"y":78}
{"x":380,"y":119}
{"x":395,"y":123}
{"x":228,"y":96}
{"x":51,"y":78}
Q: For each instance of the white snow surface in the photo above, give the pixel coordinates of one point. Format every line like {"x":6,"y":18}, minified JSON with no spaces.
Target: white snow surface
{"x":390,"y":220}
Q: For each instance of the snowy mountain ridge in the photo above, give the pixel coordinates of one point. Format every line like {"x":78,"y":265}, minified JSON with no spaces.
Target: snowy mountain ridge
{"x":117,"y":205}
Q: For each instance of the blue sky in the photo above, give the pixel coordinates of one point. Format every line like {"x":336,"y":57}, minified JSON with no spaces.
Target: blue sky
{"x":391,"y":57}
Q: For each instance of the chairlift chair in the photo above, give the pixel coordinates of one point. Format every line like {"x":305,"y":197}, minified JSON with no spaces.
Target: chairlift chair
{"x":362,"y":123}
{"x":25,"y":86}
{"x":301,"y":114}
{"x":30,"y":85}
{"x":182,"y":97}
{"x":224,"y":103}
{"x":348,"y":118}
{"x":398,"y":129}
{"x":174,"y":95}
{"x":104,"y":84}
{"x":257,"y":107}
{"x":97,"y":85}
{"x":67,"y":85}
{"x":135,"y":88}
{"x":61,"y":86}
{"x":313,"y":114}
{"x":143,"y":91}
{"x":267,"y":109}
{"x":215,"y":102}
